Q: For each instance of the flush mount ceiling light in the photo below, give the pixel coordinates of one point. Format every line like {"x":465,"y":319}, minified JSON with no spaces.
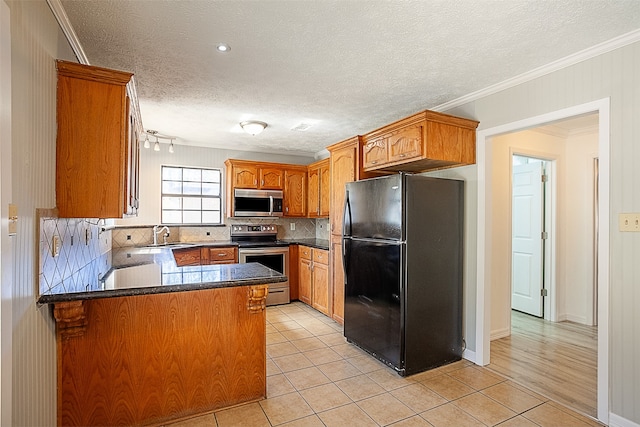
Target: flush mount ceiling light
{"x":223,"y":47}
{"x":253,"y":127}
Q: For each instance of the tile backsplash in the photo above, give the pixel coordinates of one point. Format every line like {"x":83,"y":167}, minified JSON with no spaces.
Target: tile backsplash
{"x":83,"y":254}
{"x":143,"y":235}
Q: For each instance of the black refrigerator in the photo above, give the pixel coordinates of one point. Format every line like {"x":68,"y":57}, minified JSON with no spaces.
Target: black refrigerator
{"x":403,"y":248}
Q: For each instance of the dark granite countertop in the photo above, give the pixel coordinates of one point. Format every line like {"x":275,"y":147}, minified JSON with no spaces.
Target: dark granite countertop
{"x":314,"y":243}
{"x":144,"y":271}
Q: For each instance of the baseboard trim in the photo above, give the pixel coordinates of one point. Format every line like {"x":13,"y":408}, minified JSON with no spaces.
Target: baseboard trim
{"x":500,"y":333}
{"x":618,"y":421}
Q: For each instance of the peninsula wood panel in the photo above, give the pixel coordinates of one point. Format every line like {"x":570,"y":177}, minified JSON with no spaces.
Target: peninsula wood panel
{"x":148,"y":359}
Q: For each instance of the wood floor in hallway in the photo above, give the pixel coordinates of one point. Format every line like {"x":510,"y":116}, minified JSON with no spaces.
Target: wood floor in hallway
{"x":555,"y":359}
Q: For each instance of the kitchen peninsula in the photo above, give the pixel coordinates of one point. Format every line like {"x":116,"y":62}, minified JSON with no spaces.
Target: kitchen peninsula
{"x":183,"y":341}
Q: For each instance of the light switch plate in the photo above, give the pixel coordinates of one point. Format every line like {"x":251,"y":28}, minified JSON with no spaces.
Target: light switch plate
{"x":629,"y":222}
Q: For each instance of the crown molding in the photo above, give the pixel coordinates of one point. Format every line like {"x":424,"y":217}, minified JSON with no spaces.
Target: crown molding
{"x":63,"y":20}
{"x":583,"y":55}
{"x":67,"y":29}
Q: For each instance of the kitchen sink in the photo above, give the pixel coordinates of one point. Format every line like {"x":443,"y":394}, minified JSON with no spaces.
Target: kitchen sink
{"x":156,"y":249}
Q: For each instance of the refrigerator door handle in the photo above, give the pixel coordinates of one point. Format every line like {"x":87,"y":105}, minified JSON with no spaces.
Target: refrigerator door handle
{"x":345,"y":253}
{"x":346,"y":214}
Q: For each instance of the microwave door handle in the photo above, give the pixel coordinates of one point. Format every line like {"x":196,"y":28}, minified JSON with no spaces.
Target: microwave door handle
{"x":270,"y":205}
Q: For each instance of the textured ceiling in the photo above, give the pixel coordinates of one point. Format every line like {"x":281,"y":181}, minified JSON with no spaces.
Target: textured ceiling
{"x":350,"y":65}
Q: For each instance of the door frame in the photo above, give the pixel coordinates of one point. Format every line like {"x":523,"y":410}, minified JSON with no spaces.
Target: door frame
{"x":484,"y":278}
{"x":6,"y":261}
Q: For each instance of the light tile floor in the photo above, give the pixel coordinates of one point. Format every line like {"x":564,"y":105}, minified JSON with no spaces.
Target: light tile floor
{"x":316,"y":378}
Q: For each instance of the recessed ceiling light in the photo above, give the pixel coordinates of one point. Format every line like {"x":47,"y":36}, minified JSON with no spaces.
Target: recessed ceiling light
{"x":223,"y":47}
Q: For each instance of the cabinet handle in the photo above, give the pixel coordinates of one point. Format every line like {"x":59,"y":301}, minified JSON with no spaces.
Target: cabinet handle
{"x":402,"y":155}
{"x":221,"y":254}
{"x":262,"y":182}
{"x":375,"y":162}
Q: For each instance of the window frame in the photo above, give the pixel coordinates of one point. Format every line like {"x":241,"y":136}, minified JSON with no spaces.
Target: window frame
{"x":220,"y":196}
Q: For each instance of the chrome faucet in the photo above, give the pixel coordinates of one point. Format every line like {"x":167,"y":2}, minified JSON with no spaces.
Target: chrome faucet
{"x":157,"y":230}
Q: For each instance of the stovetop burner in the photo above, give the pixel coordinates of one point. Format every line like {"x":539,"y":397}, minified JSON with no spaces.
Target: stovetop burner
{"x":255,"y":236}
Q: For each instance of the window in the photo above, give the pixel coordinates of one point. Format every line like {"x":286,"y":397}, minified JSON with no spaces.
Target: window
{"x":191,"y":195}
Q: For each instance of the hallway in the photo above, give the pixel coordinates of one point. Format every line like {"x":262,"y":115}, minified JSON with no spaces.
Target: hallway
{"x":557,"y":360}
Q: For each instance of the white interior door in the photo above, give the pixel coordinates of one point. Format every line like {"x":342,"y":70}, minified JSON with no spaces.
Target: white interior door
{"x":526,"y":235}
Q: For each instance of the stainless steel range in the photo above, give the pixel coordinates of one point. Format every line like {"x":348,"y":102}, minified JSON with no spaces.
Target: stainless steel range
{"x":259,"y":243}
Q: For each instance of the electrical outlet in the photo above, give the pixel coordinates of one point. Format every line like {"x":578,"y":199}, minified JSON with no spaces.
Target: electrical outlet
{"x":292,"y":226}
{"x":55,"y":246}
{"x":629,"y":222}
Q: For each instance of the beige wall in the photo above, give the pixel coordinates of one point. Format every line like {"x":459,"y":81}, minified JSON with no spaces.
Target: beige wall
{"x":36,"y":41}
{"x":614,"y":75}
{"x":151,"y":162}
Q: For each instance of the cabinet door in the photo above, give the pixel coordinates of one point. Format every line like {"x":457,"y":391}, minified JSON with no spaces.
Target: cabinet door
{"x":343,"y":170}
{"x":304,"y":281}
{"x":320,"y":287}
{"x":132,"y":169}
{"x":187,"y":256}
{"x":295,"y":193}
{"x":405,"y":144}
{"x":92,"y":151}
{"x":245,"y":176}
{"x":325,"y":189}
{"x":271,"y":178}
{"x":374,"y":153}
{"x":313,"y":206}
{"x":337,"y":280}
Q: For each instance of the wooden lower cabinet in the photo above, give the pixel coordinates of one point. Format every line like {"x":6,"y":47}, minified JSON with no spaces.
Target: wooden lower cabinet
{"x":320,"y":281}
{"x":187,"y":256}
{"x":304,"y":274}
{"x":313,"y":273}
{"x":219,"y":255}
{"x":337,"y":279}
{"x":207,"y":255}
{"x":149,"y":359}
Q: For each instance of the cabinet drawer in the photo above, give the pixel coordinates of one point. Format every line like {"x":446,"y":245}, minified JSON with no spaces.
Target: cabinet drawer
{"x":305,"y":252}
{"x":320,"y":256}
{"x":224,"y":255}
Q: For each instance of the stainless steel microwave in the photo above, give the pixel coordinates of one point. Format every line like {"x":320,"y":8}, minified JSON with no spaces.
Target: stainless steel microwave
{"x":257,"y":203}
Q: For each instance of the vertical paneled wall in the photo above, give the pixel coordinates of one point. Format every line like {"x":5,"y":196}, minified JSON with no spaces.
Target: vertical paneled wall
{"x":36,"y":42}
{"x":614,"y":75}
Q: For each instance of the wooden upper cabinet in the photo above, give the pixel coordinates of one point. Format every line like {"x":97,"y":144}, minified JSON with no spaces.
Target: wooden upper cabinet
{"x":97,"y":145}
{"x":271,"y":178}
{"x":319,"y":186}
{"x":345,"y":167}
{"x":245,"y":176}
{"x":325,"y":188}
{"x":255,"y":175}
{"x":295,"y":192}
{"x":427,"y":140}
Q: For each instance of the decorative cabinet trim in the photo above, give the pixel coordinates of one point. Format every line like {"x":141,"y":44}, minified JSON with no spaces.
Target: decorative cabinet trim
{"x":257,"y":298}
{"x":71,"y":319}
